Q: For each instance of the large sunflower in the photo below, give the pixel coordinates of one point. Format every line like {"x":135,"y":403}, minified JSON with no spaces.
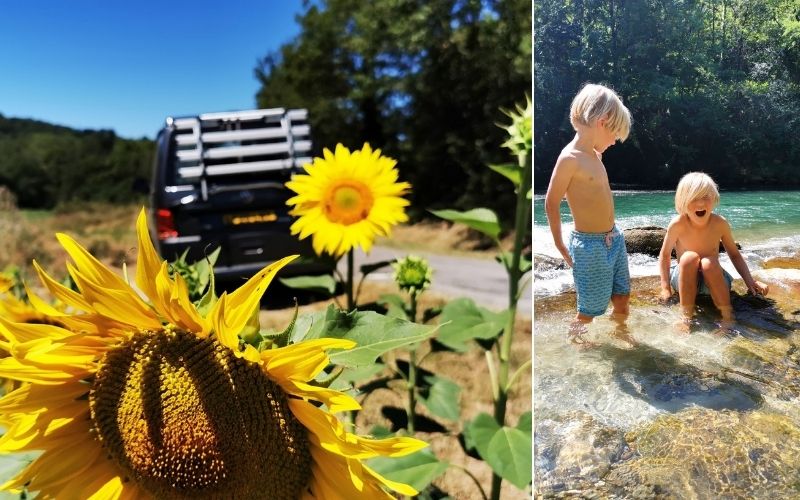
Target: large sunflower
{"x":156,"y":399}
{"x":346,"y":199}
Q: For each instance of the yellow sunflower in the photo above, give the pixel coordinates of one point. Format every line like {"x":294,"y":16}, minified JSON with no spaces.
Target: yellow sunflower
{"x":346,"y":199}
{"x":154,"y":399}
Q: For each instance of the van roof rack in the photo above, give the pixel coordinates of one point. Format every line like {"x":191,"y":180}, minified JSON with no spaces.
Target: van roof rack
{"x":240,"y":142}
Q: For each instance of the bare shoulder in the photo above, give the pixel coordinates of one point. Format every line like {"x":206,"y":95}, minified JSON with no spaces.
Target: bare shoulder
{"x":676,"y":223}
{"x":568,"y":161}
{"x":719,"y":221}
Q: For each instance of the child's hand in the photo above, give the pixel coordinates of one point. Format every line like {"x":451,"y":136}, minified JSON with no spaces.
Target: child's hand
{"x":665,"y":295}
{"x":758,"y":288}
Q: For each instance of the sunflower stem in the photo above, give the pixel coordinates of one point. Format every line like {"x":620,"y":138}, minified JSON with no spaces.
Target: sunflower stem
{"x":412,"y":373}
{"x":514,"y":276}
{"x":349,"y":283}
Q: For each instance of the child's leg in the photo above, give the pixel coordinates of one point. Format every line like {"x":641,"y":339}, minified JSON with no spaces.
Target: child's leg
{"x":688,"y":266}
{"x":717,"y":286}
{"x":621,"y":309}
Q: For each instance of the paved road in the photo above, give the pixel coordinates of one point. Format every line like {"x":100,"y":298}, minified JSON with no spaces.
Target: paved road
{"x":483,"y":280}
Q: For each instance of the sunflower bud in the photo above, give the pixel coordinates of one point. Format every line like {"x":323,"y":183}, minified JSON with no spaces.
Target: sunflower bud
{"x":412,"y":274}
{"x":520,"y":131}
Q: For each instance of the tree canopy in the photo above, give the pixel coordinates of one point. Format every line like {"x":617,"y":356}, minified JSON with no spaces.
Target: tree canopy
{"x":46,"y":165}
{"x":713,"y":85}
{"x":422,"y":80}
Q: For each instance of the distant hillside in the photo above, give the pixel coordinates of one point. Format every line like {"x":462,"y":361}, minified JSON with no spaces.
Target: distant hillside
{"x":46,"y":165}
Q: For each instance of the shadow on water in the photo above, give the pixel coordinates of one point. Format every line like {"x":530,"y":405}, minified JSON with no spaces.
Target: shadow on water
{"x":760,"y":317}
{"x":667,"y":383}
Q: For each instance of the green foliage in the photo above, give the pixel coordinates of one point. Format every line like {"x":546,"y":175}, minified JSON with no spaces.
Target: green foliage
{"x":506,"y":449}
{"x":712,"y":86}
{"x":422,"y":80}
{"x":198,"y":275}
{"x":462,"y":320}
{"x":480,"y":219}
{"x":373,"y":333}
{"x":321,"y":283}
{"x":441,"y":397}
{"x":47,"y":165}
{"x":417,"y":470}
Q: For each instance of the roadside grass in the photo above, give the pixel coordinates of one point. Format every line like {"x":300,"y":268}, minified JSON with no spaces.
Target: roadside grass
{"x":108,"y":231}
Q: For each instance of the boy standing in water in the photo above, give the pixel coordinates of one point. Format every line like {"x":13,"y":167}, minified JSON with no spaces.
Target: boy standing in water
{"x":695,"y":234}
{"x":596,"y":249}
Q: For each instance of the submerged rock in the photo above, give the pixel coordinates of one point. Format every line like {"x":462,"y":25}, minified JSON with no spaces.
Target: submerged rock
{"x":773,"y":365}
{"x":700,"y":453}
{"x":574,"y":453}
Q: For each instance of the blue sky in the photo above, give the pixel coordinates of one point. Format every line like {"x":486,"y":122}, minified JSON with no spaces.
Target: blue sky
{"x":127,"y":65}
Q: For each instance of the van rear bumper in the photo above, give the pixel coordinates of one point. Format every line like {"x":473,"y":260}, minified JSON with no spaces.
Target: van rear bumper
{"x":245,"y":271}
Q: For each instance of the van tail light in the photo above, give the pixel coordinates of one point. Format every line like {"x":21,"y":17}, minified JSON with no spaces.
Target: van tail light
{"x":165,"y":224}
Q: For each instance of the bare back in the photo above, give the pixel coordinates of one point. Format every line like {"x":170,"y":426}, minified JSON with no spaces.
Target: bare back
{"x":588,"y":193}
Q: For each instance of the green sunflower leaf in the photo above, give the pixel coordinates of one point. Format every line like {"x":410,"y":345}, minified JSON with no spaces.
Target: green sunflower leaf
{"x":441,"y":398}
{"x":373,"y":333}
{"x":374,"y":266}
{"x":395,"y":305}
{"x":462,"y":320}
{"x":509,"y":455}
{"x":479,"y":432}
{"x":417,"y":470}
{"x":323,"y":283}
{"x":480,"y":219}
{"x":509,"y":171}
{"x":507,"y":450}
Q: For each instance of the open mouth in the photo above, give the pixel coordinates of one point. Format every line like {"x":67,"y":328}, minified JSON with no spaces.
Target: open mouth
{"x":700,"y":213}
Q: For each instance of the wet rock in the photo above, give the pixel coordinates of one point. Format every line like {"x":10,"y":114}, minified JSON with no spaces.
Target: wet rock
{"x":543,"y":263}
{"x":782,"y":263}
{"x":773,"y":365}
{"x":646,"y":240}
{"x":574,"y":453}
{"x":699,"y":453}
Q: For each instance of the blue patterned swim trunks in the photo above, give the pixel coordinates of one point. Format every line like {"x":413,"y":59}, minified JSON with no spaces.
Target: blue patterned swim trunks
{"x":702,"y":288}
{"x":600,"y":269}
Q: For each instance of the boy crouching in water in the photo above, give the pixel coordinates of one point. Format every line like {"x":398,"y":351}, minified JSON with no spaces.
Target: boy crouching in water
{"x":695,"y":234}
{"x":596,"y":251}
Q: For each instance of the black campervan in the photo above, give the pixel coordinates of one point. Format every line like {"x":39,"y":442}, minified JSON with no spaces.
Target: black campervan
{"x":218,"y":181}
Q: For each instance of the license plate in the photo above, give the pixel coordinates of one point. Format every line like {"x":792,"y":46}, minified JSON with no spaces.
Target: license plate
{"x":251,"y":218}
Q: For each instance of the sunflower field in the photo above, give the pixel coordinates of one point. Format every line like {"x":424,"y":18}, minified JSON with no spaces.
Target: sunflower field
{"x":126,"y":376}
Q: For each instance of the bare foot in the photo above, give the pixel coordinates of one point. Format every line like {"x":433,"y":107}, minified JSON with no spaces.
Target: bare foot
{"x":622,"y":333}
{"x":577,"y":335}
{"x":726,"y":327}
{"x":683,"y":325}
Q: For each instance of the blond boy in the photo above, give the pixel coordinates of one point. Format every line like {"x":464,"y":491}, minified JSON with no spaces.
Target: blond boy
{"x":596,"y":248}
{"x":695,"y":234}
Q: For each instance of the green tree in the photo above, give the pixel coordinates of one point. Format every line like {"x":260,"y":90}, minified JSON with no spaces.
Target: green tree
{"x":421,"y":80}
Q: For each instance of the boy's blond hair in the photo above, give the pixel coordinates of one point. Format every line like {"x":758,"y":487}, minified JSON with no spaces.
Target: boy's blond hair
{"x":693,"y":186}
{"x":598,"y":101}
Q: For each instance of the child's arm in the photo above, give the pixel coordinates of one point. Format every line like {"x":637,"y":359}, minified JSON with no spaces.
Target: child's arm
{"x":755,"y":287}
{"x":559,"y":182}
{"x":664,"y":259}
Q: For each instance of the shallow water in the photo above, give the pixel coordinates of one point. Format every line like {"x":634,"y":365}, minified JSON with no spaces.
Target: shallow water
{"x":661,"y":413}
